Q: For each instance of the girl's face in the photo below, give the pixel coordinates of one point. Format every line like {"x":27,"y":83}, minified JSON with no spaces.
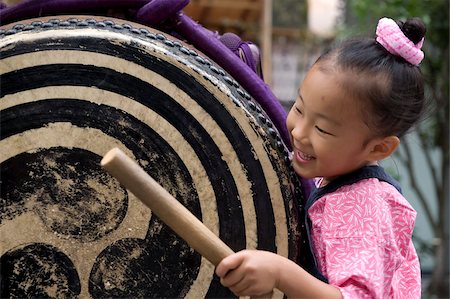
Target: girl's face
{"x":328,"y":135}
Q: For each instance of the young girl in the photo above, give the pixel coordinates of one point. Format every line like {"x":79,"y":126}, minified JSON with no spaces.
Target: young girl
{"x":354,"y":104}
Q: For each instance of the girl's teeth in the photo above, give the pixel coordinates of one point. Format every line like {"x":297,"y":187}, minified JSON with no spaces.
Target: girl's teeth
{"x":305,"y":156}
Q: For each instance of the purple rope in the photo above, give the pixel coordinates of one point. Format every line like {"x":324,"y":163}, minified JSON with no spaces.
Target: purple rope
{"x":33,"y":8}
{"x":157,"y":11}
{"x":235,"y":44}
{"x":205,"y":41}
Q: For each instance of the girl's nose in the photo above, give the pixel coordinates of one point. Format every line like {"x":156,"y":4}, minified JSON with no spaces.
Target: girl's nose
{"x":300,"y":134}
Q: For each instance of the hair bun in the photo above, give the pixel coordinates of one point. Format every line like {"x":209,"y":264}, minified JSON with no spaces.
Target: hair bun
{"x":413,"y":28}
{"x":403,"y":40}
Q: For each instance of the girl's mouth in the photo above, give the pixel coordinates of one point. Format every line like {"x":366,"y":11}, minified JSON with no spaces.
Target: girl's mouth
{"x":303,"y":157}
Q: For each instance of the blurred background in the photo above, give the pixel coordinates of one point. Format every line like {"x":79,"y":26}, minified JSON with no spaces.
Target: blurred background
{"x":292,"y":33}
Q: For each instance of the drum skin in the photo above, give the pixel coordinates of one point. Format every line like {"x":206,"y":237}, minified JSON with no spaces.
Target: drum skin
{"x":72,"y":88}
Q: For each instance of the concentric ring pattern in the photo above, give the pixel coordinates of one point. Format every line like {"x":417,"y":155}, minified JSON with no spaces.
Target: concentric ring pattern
{"x":73,"y":88}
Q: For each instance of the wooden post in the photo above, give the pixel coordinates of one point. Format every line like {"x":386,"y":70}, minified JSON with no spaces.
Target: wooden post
{"x":266,"y":41}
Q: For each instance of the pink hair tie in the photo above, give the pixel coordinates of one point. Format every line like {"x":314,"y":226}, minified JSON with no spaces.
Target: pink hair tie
{"x":391,"y":37}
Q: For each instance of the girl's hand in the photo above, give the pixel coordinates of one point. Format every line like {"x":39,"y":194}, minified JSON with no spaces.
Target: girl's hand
{"x":250,"y":272}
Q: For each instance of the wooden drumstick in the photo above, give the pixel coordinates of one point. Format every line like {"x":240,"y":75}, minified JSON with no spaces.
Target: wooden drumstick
{"x":165,"y":206}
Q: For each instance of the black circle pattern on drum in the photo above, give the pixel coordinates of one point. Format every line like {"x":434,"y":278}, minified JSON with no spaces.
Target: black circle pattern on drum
{"x":71,"y":90}
{"x":61,"y":188}
{"x":21,"y":264}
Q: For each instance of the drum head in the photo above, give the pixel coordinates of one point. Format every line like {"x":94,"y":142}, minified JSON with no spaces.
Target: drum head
{"x":75,"y":87}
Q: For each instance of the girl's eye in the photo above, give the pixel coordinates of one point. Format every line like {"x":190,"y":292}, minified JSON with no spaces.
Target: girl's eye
{"x":322,"y":131}
{"x":298,"y":110}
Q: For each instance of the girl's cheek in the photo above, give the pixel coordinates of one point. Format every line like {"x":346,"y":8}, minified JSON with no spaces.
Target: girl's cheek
{"x":290,"y":121}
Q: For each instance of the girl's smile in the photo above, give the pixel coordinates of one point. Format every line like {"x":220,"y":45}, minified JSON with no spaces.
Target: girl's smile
{"x":329,"y":136}
{"x":302,"y":157}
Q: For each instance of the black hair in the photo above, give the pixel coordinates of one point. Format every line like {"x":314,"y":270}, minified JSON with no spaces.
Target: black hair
{"x":392,"y":89}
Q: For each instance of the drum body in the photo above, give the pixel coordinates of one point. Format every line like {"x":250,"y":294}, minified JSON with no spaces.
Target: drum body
{"x":75,"y":87}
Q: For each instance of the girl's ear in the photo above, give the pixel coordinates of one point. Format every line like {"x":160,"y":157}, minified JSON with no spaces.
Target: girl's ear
{"x":383,"y":148}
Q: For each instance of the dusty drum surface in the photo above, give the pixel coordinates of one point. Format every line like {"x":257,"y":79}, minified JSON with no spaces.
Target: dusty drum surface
{"x":72,"y":89}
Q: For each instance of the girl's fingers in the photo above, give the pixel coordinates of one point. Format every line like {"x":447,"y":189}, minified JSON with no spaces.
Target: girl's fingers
{"x":229,"y":263}
{"x":248,"y":272}
{"x":232,"y":278}
{"x":240,"y":288}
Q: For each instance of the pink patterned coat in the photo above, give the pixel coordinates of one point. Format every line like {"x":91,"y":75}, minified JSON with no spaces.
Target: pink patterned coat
{"x":361,"y":238}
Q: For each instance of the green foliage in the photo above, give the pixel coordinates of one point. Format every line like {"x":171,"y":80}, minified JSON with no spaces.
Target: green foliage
{"x":289,"y":13}
{"x":394,"y":8}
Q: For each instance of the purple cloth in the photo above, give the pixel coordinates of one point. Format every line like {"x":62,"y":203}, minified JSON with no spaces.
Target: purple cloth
{"x":235,"y":44}
{"x":33,"y":8}
{"x":157,"y":11}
